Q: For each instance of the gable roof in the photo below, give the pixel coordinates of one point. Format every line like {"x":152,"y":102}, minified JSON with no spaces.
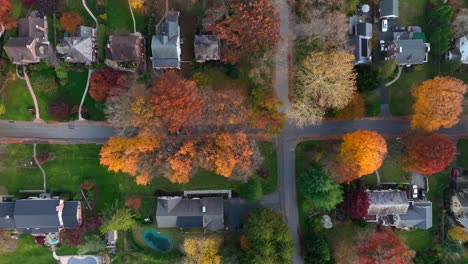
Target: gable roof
{"x":7,"y":219}
{"x":408,"y":51}
{"x":364,"y":29}
{"x":37,"y":215}
{"x":206,"y":48}
{"x":419,"y":215}
{"x":125,"y":48}
{"x":21,"y":50}
{"x":389,"y":8}
{"x":180,"y":212}
{"x":70,"y":214}
{"x":77,"y":50}
{"x":31,"y":27}
{"x":384,"y":202}
{"x":165,"y":45}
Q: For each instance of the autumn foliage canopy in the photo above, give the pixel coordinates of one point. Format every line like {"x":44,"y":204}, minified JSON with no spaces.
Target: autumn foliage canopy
{"x":427,"y":153}
{"x":252,"y":26}
{"x":70,"y":20}
{"x":175,"y":100}
{"x":356,"y":203}
{"x":5,"y":16}
{"x":439,"y":102}
{"x":384,"y":247}
{"x":361,"y":153}
{"x":103,"y":81}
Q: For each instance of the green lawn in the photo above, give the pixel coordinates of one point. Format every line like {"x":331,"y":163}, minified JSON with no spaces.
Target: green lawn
{"x":462,"y":150}
{"x":17,"y":101}
{"x":417,"y":239}
{"x":268,"y":151}
{"x":18,"y":10}
{"x":28,"y":252}
{"x":413,"y":12}
{"x":119,"y":19}
{"x":400,"y":98}
{"x":372,"y":99}
{"x":77,"y":6}
{"x":437,"y":184}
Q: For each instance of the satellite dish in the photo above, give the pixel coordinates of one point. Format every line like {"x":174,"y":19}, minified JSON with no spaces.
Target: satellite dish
{"x":365,"y":8}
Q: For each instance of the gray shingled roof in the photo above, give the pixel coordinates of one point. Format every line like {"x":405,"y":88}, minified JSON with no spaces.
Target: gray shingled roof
{"x":409,"y":51}
{"x":28,"y":27}
{"x":37,"y":215}
{"x":7,"y":220}
{"x":125,"y":49}
{"x":419,"y":215}
{"x":180,"y":212}
{"x":18,"y":51}
{"x":389,"y":8}
{"x":364,"y":29}
{"x":206,"y":48}
{"x":384,"y":202}
{"x":69,"y":214}
{"x":77,"y":50}
{"x":165,"y":45}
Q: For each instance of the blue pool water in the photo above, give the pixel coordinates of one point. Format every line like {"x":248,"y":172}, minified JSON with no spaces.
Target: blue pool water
{"x":157,"y":241}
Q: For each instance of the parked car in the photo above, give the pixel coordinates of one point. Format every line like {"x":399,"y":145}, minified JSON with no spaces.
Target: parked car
{"x":414,"y":192}
{"x":382,"y":45}
{"x":384,"y":25}
{"x":398,"y":28}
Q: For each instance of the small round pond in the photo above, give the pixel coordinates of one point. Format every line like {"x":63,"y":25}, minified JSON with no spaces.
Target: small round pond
{"x":157,"y":241}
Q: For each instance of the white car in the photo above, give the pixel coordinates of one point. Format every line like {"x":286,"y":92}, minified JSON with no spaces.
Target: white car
{"x":384,"y":25}
{"x":382,"y":45}
{"x":414,"y":191}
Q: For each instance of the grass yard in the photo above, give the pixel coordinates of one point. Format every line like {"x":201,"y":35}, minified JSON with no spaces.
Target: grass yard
{"x":372,"y":99}
{"x":437,"y":184}
{"x":17,"y":101}
{"x":19,"y":10}
{"x":119,"y":19}
{"x":413,"y":12}
{"x":28,"y":252}
{"x":417,"y":239}
{"x":268,"y":151}
{"x":401,"y":100}
{"x":462,"y":156}
{"x":77,"y":6}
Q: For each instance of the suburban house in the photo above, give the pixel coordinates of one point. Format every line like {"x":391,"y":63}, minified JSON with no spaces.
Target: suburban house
{"x":207,"y":213}
{"x":392,"y":208}
{"x":121,"y":50}
{"x":81,"y":47}
{"x":39,"y":216}
{"x":460,"y":51}
{"x":32,"y":43}
{"x":206,"y":48}
{"x":408,"y":52}
{"x":361,"y":40}
{"x":459,"y":206}
{"x":165,"y":45}
{"x":389,"y":9}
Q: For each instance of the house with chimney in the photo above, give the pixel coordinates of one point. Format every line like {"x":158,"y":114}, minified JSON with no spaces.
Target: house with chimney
{"x":206,"y":213}
{"x":125,"y":52}
{"x":32,"y":43}
{"x":206,"y":48}
{"x":81,"y":47}
{"x":38,"y":216}
{"x":165,"y":45}
{"x":392,"y":208}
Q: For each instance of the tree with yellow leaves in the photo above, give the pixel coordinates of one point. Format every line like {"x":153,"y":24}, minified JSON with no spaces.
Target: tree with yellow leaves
{"x":325,"y":81}
{"x":458,"y":233}
{"x":181,"y":163}
{"x":136,"y":3}
{"x":202,"y":250}
{"x":439,"y":102}
{"x":361,"y":153}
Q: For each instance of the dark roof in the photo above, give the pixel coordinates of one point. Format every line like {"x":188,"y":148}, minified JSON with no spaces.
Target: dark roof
{"x":389,"y":8}
{"x":364,"y":29}
{"x":419,"y":215}
{"x":409,"y":51}
{"x":37,"y":214}
{"x":18,"y":51}
{"x":77,"y":50}
{"x":384,"y":202}
{"x":189,"y":221}
{"x":125,"y":48}
{"x":206,"y":48}
{"x":30,"y":27}
{"x":7,"y":220}
{"x":69,"y":214}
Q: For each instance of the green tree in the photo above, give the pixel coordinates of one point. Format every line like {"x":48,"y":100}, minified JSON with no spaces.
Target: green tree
{"x":317,"y":250}
{"x":117,"y":219}
{"x":269,"y":238}
{"x":439,"y":19}
{"x":231,"y":254}
{"x":93,"y":244}
{"x":41,"y":81}
{"x":317,"y":186}
{"x":368,"y":78}
{"x":62,"y":75}
{"x":252,"y":190}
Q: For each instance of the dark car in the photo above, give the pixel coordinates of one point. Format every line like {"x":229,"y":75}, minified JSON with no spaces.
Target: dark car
{"x":398,"y":28}
{"x":454,"y":173}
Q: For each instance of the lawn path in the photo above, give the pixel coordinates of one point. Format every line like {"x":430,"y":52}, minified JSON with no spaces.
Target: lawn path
{"x":33,"y":95}
{"x":90,"y":13}
{"x":40,"y":167}
{"x":133,"y":17}
{"x":80,"y":117}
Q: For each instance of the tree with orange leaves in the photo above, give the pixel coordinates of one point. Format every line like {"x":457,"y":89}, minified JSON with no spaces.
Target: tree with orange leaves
{"x":175,"y":100}
{"x":427,"y":153}
{"x":70,"y":20}
{"x":142,"y":113}
{"x":226,"y":152}
{"x":439,"y":102}
{"x":361,"y":153}
{"x":265,"y":114}
{"x":252,"y":26}
{"x":384,"y":247}
{"x":181,"y":163}
{"x":5,"y":15}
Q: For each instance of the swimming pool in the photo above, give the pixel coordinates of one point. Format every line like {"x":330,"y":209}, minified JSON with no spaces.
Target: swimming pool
{"x":157,"y":241}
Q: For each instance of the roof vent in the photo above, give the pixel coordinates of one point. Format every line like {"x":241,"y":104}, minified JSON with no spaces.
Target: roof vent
{"x":203,"y":209}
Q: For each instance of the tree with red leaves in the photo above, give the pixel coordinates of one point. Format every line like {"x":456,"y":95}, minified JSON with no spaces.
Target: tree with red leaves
{"x":103,"y":81}
{"x":427,"y":153}
{"x":175,"y":100}
{"x":356,"y":203}
{"x":77,"y":236}
{"x":28,"y":2}
{"x":252,"y":26}
{"x":384,"y":247}
{"x":5,"y":16}
{"x":58,"y":109}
